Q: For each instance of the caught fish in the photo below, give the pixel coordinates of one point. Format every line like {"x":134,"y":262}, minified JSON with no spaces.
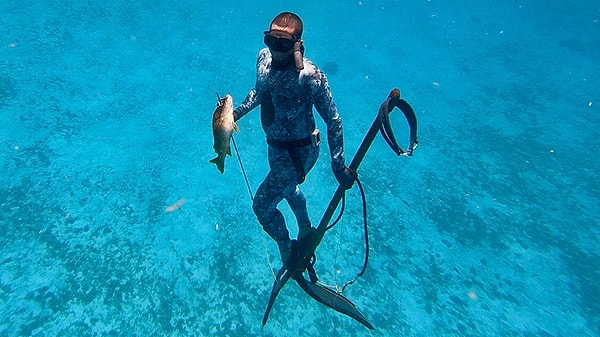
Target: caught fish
{"x":223,"y":126}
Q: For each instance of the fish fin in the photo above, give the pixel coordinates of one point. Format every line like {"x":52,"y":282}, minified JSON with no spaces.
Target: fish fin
{"x":235,"y":127}
{"x":220,"y":162}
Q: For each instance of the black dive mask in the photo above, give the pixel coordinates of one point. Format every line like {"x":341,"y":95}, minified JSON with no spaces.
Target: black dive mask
{"x":279,"y":41}
{"x":284,"y":42}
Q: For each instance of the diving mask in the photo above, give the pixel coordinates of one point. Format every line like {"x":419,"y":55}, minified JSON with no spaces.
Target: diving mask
{"x":279,"y":41}
{"x":284,"y":42}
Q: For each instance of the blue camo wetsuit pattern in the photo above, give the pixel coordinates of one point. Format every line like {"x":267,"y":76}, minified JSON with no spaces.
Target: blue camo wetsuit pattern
{"x":292,"y":95}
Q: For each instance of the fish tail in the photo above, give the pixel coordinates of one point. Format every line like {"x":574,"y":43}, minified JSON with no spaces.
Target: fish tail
{"x":220,"y":162}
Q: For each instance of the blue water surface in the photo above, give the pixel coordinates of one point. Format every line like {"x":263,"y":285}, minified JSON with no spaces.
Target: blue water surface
{"x":490,"y":229}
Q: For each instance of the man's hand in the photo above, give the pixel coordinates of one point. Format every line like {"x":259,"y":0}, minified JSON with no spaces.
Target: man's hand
{"x":345,"y":177}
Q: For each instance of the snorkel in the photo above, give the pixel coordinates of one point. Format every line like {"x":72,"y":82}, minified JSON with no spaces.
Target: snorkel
{"x":299,"y":55}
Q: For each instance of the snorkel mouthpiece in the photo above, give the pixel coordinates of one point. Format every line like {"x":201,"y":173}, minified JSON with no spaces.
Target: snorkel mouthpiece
{"x":299,"y":55}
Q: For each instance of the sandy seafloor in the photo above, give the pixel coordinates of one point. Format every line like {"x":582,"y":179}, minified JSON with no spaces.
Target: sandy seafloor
{"x":490,"y":229}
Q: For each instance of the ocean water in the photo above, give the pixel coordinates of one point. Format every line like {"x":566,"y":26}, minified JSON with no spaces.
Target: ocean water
{"x":490,"y":229}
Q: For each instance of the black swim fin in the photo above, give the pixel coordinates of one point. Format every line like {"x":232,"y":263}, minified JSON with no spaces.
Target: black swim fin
{"x":331,"y":299}
{"x":281,"y":279}
{"x":290,"y":268}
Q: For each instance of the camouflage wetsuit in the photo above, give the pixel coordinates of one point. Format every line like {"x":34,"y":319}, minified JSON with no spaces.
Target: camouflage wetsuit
{"x":286,"y":97}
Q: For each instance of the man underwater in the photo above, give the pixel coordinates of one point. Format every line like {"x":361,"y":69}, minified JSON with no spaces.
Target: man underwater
{"x":287,"y":86}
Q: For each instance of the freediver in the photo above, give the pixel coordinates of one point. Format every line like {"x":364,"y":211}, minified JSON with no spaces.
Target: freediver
{"x":287,"y":87}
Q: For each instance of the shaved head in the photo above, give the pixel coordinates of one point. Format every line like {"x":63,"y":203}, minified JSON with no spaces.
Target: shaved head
{"x":288,"y":21}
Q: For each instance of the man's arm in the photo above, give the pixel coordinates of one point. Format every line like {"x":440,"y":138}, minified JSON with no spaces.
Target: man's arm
{"x":247,"y":105}
{"x":254,"y":97}
{"x":326,"y":108}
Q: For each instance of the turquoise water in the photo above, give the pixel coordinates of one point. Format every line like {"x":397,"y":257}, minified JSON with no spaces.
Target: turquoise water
{"x":490,"y":229}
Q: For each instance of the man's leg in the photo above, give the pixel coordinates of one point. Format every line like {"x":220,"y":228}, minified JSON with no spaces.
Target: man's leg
{"x":267,"y":197}
{"x":281,"y":182}
{"x":295,"y":198}
{"x":297,"y":202}
{"x":280,"y":178}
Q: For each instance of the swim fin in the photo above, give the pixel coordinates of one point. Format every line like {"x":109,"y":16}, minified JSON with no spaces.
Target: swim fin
{"x":332,"y":299}
{"x":281,"y":279}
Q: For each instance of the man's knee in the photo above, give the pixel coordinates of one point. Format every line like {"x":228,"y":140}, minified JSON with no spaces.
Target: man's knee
{"x":264,"y":210}
{"x":259,"y":209}
{"x":291,"y":191}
